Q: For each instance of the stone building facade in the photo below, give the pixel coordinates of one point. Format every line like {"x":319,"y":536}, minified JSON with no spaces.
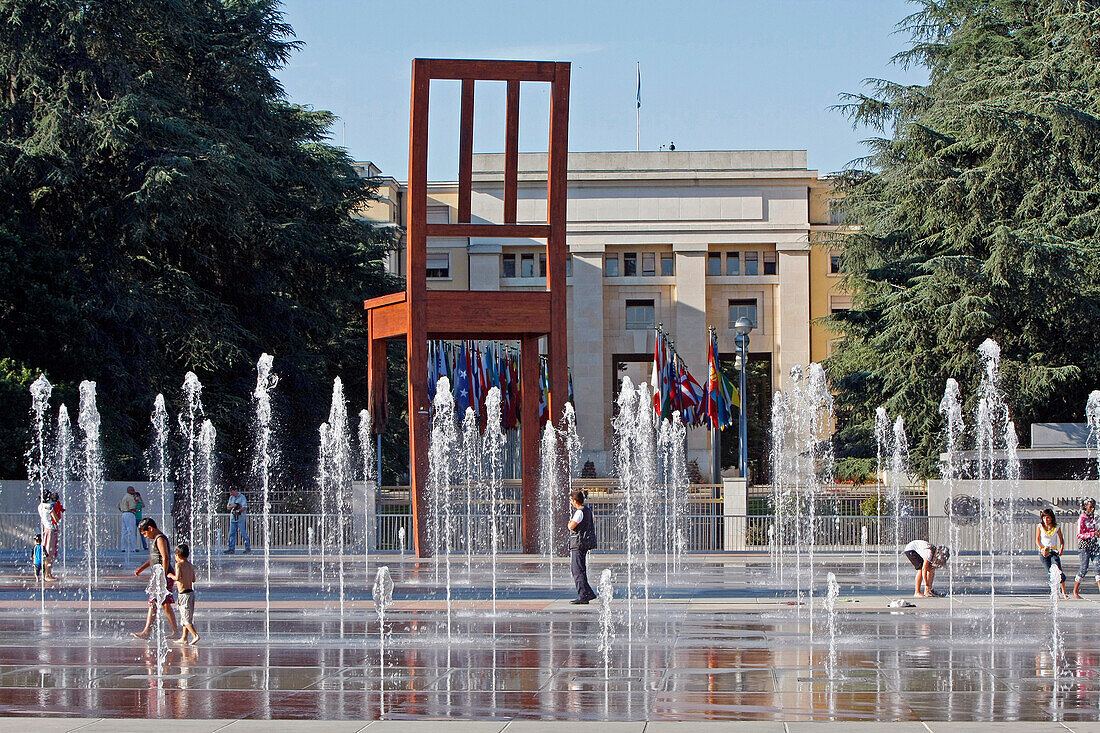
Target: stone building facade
{"x":683,"y":239}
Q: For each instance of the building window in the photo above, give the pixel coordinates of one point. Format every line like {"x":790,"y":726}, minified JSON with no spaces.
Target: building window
{"x":542,"y":264}
{"x":649,"y":264}
{"x":569,"y":265}
{"x":527,"y":265}
{"x":611,"y":266}
{"x":439,"y":264}
{"x":836,"y":216}
{"x":834,"y":263}
{"x":771,"y":263}
{"x":733,"y":263}
{"x":508,"y":266}
{"x":743,"y":309}
{"x":630,"y":264}
{"x":714,"y":264}
{"x":668,"y":269}
{"x":639,"y":314}
{"x":752,"y":263}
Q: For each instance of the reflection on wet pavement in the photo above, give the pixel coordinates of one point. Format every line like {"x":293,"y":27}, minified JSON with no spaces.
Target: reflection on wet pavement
{"x":720,"y":642}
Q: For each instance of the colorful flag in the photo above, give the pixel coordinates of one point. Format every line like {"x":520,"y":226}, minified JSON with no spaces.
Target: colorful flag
{"x":433,"y":377}
{"x":713,"y":383}
{"x":658,"y":370}
{"x":514,"y":387}
{"x":462,"y":382}
{"x":544,"y":394}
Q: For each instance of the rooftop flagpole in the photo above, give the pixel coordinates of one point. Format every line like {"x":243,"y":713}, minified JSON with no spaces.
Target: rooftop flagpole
{"x":638,"y":111}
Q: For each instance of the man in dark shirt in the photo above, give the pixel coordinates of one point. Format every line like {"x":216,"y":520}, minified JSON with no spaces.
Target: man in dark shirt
{"x":582,"y":538}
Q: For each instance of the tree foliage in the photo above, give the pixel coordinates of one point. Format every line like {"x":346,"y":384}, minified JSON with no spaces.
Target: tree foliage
{"x":975,"y":215}
{"x":164,"y":208}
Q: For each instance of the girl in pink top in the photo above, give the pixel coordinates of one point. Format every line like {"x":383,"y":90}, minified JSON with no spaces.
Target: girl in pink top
{"x":1088,"y":547}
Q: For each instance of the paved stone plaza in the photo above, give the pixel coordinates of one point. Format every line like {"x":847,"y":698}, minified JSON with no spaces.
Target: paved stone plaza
{"x":722,"y":641}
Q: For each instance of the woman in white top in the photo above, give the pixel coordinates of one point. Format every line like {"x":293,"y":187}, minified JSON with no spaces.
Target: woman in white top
{"x":925,"y":558}
{"x":1048,"y":536}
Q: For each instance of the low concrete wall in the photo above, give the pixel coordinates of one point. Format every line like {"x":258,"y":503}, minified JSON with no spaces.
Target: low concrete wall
{"x":1028,"y":489}
{"x":17,"y":496}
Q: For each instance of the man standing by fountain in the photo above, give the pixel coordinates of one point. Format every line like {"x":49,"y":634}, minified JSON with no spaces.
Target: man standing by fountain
{"x":238,"y":521}
{"x":128,"y":505}
{"x":582,"y":538}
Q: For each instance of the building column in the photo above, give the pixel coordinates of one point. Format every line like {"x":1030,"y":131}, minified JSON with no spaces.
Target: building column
{"x":689,"y":332}
{"x":587,"y":356}
{"x":792,"y":308}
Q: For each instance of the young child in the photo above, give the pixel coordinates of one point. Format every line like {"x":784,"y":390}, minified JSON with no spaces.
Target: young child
{"x":36,"y":557}
{"x":185,"y":579}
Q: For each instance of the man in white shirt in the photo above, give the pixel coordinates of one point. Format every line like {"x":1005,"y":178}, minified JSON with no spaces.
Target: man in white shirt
{"x":925,"y":558}
{"x":128,"y":506}
{"x":582,"y":538}
{"x":237,"y":506}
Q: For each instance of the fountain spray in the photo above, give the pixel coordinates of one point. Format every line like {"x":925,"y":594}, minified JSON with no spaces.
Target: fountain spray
{"x":471,"y":474}
{"x":265,"y":458}
{"x":1092,"y":416}
{"x":607,"y":619}
{"x":951,"y":408}
{"x":36,"y":454}
{"x":340,"y":463}
{"x":208,"y":476}
{"x":370,"y":482}
{"x":323,"y":445}
{"x":549,"y":481}
{"x":63,"y":470}
{"x":494,"y":450}
{"x":441,"y":451}
{"x":624,"y":424}
{"x":189,"y":424}
{"x":93,"y":471}
{"x":883,"y":440}
{"x":645,"y":442}
{"x":899,"y":471}
{"x":157,"y":589}
{"x":382,"y":593}
{"x":158,"y":456}
{"x":830,"y":606}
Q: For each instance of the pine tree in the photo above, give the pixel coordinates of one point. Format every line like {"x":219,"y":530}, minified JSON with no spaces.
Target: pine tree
{"x":975,"y":216}
{"x":164,"y":208}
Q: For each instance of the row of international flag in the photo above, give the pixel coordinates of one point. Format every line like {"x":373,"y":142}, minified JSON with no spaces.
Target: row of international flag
{"x":676,"y":390}
{"x":475,"y":367}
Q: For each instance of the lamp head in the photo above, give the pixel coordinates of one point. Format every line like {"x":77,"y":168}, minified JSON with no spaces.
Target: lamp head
{"x":742,"y":326}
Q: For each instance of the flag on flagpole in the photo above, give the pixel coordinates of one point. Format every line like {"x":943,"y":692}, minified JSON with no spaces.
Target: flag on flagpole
{"x":712,"y":384}
{"x":462,"y":382}
{"x":658,"y":370}
{"x":638,"y":110}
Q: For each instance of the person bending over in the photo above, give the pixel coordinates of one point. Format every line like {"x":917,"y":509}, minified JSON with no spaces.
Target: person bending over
{"x":926,"y":559}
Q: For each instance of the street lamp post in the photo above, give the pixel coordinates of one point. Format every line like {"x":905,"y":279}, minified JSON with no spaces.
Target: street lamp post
{"x":741,"y":330}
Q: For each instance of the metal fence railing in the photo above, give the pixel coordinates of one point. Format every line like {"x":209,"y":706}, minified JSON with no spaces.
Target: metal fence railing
{"x":706,"y":531}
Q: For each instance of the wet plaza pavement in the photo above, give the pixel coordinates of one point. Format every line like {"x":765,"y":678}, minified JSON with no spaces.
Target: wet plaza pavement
{"x":722,"y":640}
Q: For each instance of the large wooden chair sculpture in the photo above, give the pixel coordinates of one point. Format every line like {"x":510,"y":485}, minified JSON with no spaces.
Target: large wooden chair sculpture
{"x":419,"y":314}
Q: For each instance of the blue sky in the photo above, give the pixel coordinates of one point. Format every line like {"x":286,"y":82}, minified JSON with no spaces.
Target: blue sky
{"x":736,"y":74}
